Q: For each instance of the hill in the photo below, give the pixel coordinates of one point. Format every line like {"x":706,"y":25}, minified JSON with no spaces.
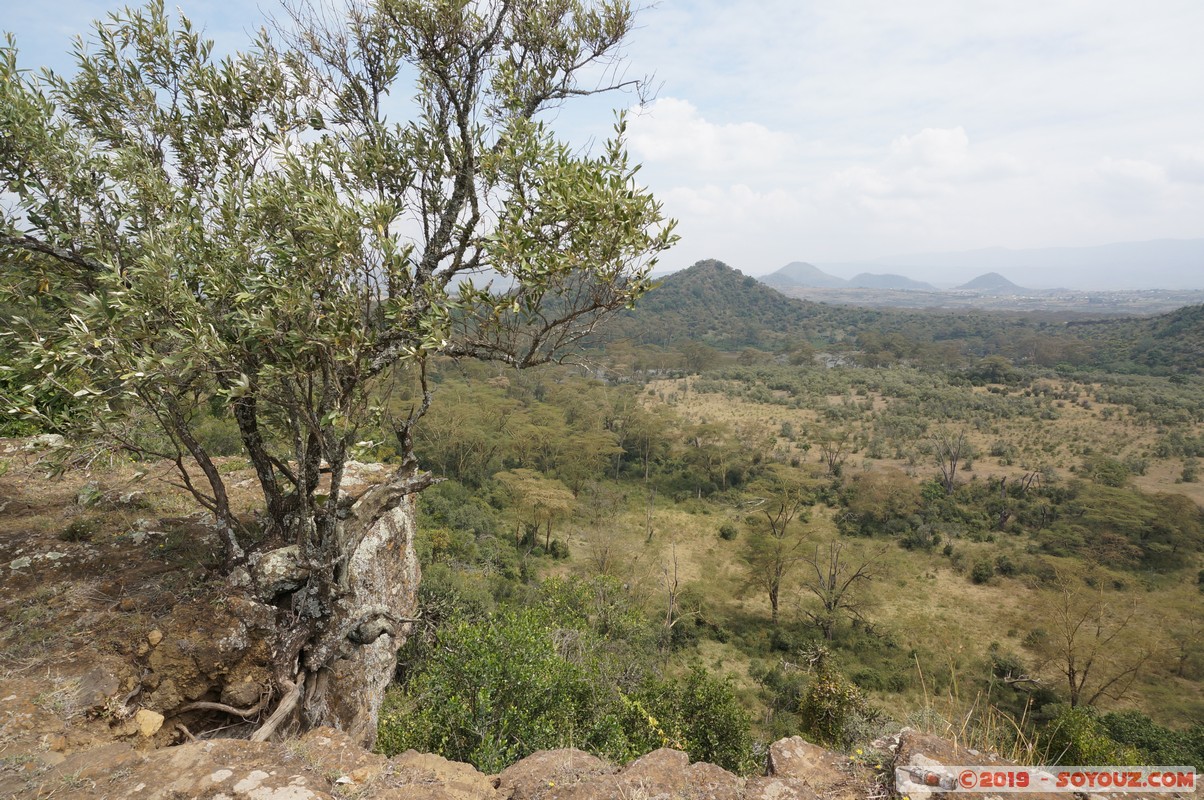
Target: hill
{"x":867,"y":280}
{"x":992,"y":283}
{"x":1167,"y":343}
{"x":713,"y":303}
{"x":720,"y":306}
{"x":800,"y":273}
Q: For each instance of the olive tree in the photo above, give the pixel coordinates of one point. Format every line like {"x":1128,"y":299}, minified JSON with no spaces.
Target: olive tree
{"x":261,"y":233}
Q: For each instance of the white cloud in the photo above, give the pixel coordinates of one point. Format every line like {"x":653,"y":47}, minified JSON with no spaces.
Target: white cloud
{"x":844,"y":131}
{"x":932,"y":163}
{"x":672,"y":131}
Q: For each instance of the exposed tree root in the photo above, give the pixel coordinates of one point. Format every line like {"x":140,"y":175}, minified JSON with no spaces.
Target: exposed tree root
{"x":203,"y":705}
{"x":283,"y":711}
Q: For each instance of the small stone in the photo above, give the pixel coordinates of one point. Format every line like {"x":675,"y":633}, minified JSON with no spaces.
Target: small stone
{"x":143,"y":648}
{"x":241,"y":693}
{"x":148,"y":722}
{"x":96,"y":687}
{"x":239,"y":578}
{"x":47,"y":441}
{"x":154,"y":637}
{"x":20,"y":563}
{"x":57,"y":743}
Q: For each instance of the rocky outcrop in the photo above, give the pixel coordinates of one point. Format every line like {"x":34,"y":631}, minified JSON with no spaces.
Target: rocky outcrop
{"x":326,"y":763}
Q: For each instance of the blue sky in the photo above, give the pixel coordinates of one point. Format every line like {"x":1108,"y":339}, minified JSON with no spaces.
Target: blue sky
{"x":846,"y":131}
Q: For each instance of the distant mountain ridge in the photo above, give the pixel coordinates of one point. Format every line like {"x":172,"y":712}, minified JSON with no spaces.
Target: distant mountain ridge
{"x":992,"y":283}
{"x":1154,"y":264}
{"x":802,"y":274}
{"x":713,"y":303}
{"x":869,"y":280}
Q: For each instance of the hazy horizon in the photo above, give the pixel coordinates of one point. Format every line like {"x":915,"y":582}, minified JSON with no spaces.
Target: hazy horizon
{"x":1115,"y":266}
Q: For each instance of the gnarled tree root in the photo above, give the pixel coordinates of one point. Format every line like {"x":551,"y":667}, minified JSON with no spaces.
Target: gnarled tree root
{"x":288,"y":704}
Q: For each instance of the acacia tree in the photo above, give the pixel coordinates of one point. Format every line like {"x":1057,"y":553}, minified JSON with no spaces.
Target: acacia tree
{"x":775,"y":548}
{"x":950,"y":448}
{"x":835,"y":584}
{"x":1095,"y":641}
{"x":256,"y":232}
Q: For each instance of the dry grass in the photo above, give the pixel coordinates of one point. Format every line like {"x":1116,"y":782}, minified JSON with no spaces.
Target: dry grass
{"x":923,"y":600}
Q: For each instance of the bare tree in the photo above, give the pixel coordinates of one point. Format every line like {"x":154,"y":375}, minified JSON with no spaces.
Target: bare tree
{"x":950,"y":449}
{"x":834,"y":449}
{"x":671,"y":581}
{"x":1093,"y":642}
{"x":834,"y":585}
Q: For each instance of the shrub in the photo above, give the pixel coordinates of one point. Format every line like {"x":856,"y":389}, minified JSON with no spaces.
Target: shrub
{"x":494,"y":691}
{"x":727,"y":531}
{"x":699,"y":714}
{"x":831,"y":708}
{"x":1075,"y":735}
{"x":219,"y":436}
{"x":983,"y":571}
{"x":81,"y":529}
{"x":1158,"y":745}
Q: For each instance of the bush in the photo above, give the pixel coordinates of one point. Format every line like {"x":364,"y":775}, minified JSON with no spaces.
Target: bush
{"x":1075,"y":735}
{"x":727,"y":531}
{"x":699,"y":714}
{"x":982,"y":571}
{"x":219,"y":436}
{"x":1158,"y":745}
{"x":832,"y":708}
{"x":81,"y":529}
{"x":494,"y":691}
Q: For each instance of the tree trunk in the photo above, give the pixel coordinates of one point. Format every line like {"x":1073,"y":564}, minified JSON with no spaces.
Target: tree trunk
{"x":382,"y":576}
{"x":337,"y":661}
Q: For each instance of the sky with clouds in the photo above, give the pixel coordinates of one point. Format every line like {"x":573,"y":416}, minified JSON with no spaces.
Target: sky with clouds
{"x":845,"y":131}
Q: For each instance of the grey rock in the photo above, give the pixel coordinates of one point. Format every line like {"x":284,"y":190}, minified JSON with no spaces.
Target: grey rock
{"x":278,"y":571}
{"x":96,"y":687}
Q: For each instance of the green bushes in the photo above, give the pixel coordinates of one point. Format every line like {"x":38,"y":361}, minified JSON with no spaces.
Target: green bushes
{"x":983,"y":571}
{"x":832,"y":709}
{"x":493,"y":691}
{"x":698,"y":714}
{"x":1156,"y":744}
{"x":1075,"y":736}
{"x":570,"y":671}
